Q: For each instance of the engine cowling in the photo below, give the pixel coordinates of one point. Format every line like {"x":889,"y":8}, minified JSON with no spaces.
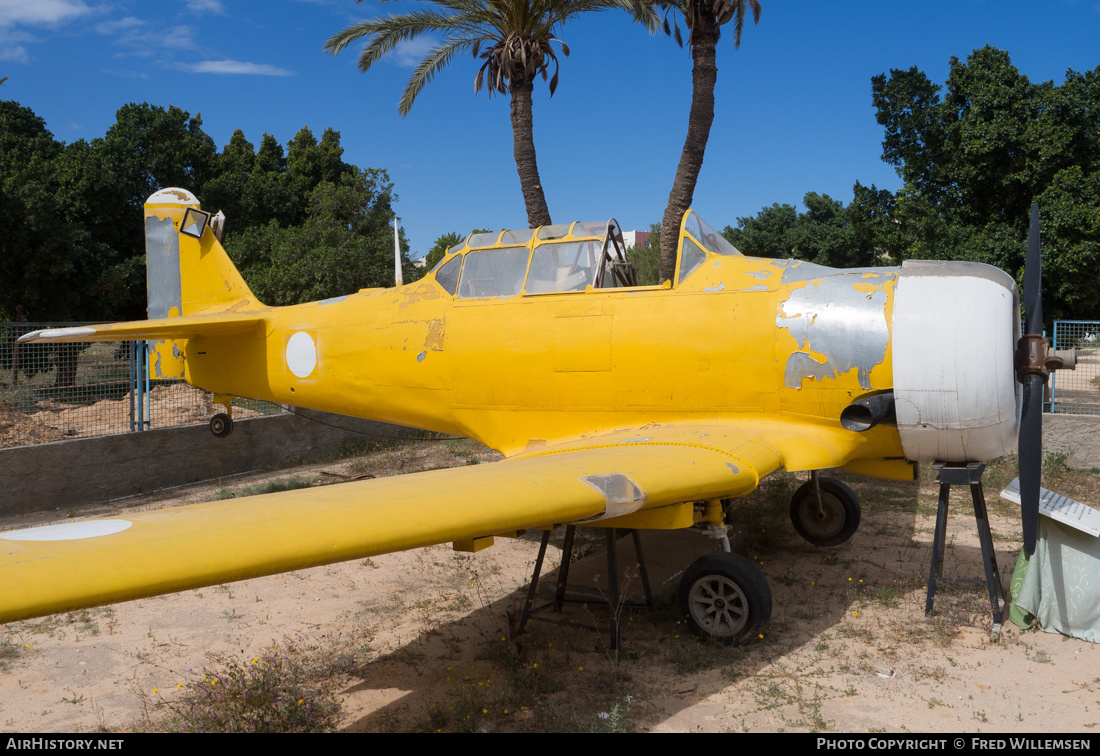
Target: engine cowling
{"x":955,"y":327}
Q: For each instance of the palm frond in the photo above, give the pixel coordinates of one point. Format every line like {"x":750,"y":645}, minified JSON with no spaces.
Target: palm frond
{"x":433,"y":62}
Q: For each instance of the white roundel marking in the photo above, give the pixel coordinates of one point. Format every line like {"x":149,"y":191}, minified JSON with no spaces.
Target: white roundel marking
{"x":69,"y":531}
{"x":301,"y":354}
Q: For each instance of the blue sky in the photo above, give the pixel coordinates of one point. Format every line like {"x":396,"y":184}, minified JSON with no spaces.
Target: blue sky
{"x":793,"y":107}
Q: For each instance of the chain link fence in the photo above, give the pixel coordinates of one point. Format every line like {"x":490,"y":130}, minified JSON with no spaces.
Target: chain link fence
{"x":53,"y":392}
{"x":1077,"y":391}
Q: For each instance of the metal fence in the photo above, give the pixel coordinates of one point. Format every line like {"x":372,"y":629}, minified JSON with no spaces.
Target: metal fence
{"x":1077,"y":391}
{"x":53,"y":392}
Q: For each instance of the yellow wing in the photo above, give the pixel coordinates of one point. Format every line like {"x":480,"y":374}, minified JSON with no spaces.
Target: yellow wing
{"x":186,"y":327}
{"x":80,"y":564}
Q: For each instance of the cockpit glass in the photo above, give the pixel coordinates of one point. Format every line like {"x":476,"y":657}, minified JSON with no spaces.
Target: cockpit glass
{"x":493,"y":272}
{"x":589,"y":228}
{"x":522,"y":236}
{"x":557,"y":231}
{"x":564,"y":266}
{"x":447,"y":275}
{"x":707,"y":236}
{"x":483,"y":240}
{"x":691,"y":257}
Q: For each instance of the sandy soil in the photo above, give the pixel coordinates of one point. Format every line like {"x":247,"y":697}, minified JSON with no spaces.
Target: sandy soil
{"x":52,"y":420}
{"x":425,"y":640}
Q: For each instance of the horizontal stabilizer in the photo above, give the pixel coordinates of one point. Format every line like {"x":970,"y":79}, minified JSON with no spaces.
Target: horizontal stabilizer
{"x":186,"y":327}
{"x":1061,"y":508}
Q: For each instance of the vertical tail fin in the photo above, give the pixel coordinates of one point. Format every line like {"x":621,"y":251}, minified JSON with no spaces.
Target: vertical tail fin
{"x":184,"y":275}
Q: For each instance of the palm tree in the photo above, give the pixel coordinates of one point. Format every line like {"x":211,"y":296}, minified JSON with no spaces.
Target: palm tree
{"x":514,"y":39}
{"x":704,"y":19}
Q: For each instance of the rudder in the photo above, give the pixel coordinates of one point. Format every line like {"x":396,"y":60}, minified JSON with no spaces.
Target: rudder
{"x":184,"y":275}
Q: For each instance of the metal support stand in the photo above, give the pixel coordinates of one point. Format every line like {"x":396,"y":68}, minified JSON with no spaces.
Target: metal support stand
{"x":969,"y":474}
{"x":614,"y":601}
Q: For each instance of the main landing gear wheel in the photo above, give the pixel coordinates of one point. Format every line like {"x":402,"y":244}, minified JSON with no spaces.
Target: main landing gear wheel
{"x":221,"y":425}
{"x":830,"y":524}
{"x":725,"y":598}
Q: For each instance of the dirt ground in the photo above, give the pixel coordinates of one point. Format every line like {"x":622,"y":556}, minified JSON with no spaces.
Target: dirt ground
{"x":53,"y":420}
{"x":425,"y":640}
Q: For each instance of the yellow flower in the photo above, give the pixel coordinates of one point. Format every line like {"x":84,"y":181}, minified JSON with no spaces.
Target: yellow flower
{"x":179,"y":686}
{"x":301,"y":701}
{"x":155,"y":691}
{"x":214,"y":681}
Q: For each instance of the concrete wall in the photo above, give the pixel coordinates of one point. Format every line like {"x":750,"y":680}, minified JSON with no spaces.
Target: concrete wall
{"x":68,"y":474}
{"x":1075,"y":435}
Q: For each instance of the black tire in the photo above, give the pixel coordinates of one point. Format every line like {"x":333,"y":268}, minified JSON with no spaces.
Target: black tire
{"x":725,"y":598}
{"x":838,"y":519}
{"x":221,"y":425}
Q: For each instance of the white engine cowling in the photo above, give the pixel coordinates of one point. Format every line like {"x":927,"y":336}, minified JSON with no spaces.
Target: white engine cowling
{"x":955,"y":327}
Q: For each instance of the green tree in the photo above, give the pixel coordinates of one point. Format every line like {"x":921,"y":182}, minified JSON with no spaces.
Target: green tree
{"x":48,"y":264}
{"x":974,"y":154}
{"x":823,"y":234}
{"x":344,"y":244}
{"x":704,"y":20}
{"x":440,"y":247}
{"x":646,"y":258}
{"x":515,"y":40}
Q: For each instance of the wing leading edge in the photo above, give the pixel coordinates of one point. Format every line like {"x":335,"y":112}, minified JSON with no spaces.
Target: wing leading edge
{"x":186,"y":327}
{"x":81,"y":564}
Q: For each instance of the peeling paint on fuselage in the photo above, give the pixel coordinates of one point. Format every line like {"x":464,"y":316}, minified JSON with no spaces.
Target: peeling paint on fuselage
{"x":162,"y":267}
{"x":839,"y":321}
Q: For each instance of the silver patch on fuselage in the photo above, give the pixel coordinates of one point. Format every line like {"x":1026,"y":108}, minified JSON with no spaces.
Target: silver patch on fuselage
{"x":162,"y":267}
{"x":844,"y":325}
{"x":622,"y":496}
{"x":797,"y":270}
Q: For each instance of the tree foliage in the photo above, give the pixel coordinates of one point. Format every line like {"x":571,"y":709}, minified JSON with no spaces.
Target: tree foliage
{"x":823,"y":234}
{"x":440,"y":247}
{"x":74,"y":246}
{"x":514,"y":38}
{"x":344,"y":244}
{"x":974,"y":154}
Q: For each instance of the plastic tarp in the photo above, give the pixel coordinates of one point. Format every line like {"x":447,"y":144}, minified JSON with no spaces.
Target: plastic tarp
{"x":1059,"y":586}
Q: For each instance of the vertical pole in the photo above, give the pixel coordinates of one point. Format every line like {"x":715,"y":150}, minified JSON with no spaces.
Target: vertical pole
{"x":133,"y":386}
{"x":396,"y":255}
{"x":15,"y":346}
{"x":144,"y":380}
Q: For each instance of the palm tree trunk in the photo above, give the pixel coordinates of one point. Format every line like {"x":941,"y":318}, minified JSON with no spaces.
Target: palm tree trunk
{"x":523,"y":137}
{"x":704,"y":76}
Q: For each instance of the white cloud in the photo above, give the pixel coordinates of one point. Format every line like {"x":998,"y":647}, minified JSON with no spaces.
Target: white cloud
{"x":201,"y":6}
{"x":235,"y":67}
{"x":40,"y":12}
{"x":11,"y":47}
{"x":144,"y":38}
{"x":15,"y":13}
{"x":410,"y":53}
{"x":121,"y":25}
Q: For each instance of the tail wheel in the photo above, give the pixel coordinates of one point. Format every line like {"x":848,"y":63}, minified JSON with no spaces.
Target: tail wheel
{"x":834,"y":521}
{"x":725,"y":598}
{"x":221,"y":425}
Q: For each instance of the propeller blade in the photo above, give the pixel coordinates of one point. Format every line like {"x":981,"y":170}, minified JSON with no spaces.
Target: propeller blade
{"x":1031,"y":418}
{"x":1031,"y":459}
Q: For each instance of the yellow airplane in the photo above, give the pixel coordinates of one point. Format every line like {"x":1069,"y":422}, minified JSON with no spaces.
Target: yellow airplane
{"x":615,"y":405}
